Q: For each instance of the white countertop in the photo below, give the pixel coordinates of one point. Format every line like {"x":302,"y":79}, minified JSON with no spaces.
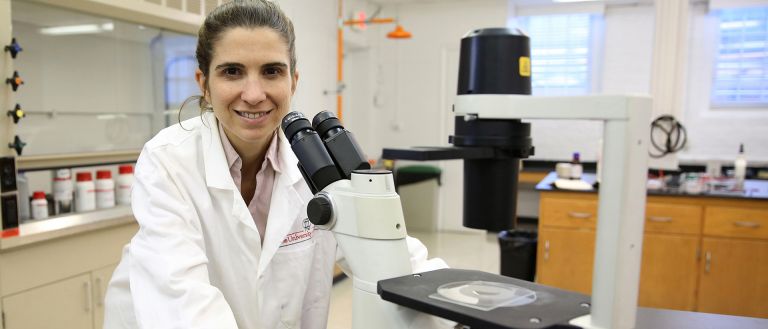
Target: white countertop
{"x":69,"y":224}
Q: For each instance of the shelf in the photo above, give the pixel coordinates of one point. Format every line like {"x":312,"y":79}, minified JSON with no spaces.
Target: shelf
{"x":41,"y":162}
{"x":67,"y":224}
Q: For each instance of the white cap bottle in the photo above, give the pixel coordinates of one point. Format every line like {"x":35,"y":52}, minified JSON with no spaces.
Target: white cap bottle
{"x":39,"y":205}
{"x":740,"y":168}
{"x":85,"y":192}
{"x":105,"y":189}
{"x":62,"y":191}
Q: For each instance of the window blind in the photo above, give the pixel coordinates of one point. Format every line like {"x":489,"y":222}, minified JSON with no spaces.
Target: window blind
{"x":560,"y":53}
{"x":741,"y":62}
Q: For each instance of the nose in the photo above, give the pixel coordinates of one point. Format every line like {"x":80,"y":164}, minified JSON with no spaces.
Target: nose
{"x":253,"y":91}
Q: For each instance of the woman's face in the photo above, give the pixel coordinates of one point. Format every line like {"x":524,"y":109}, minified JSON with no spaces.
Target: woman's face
{"x":249,"y":84}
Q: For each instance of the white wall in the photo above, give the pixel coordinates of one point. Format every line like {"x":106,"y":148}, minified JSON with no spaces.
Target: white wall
{"x":315,"y":27}
{"x":400,"y":91}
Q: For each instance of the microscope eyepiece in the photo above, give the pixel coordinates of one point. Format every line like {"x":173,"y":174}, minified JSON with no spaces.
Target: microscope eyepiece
{"x":326,"y":124}
{"x":341,"y":144}
{"x":315,"y":163}
{"x":293,"y":123}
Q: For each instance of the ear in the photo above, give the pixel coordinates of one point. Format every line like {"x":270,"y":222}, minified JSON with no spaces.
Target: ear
{"x":200,"y":78}
{"x":294,"y":82}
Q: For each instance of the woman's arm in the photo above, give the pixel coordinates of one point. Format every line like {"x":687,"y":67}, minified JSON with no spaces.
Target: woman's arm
{"x":169,"y":280}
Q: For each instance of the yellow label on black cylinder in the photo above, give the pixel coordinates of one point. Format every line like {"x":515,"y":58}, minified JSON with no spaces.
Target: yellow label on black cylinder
{"x":525,"y":66}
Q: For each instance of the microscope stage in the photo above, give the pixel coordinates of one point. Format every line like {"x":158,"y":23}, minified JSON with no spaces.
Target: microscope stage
{"x":552,"y":307}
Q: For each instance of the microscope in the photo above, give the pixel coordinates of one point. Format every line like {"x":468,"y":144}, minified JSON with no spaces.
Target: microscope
{"x":362,"y":209}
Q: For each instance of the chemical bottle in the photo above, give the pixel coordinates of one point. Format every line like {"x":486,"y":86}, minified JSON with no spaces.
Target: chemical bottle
{"x":62,"y":191}
{"x":740,"y":168}
{"x":85,"y":192}
{"x":124,"y":182}
{"x":105,"y":189}
{"x":39,"y":205}
{"x":23,"y":197}
{"x":576,"y":169}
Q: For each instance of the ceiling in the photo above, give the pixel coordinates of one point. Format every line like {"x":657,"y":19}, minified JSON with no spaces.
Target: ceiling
{"x":518,"y":2}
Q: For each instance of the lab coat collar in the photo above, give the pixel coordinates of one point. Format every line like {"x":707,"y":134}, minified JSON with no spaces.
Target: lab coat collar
{"x":216,"y":169}
{"x":216,"y":164}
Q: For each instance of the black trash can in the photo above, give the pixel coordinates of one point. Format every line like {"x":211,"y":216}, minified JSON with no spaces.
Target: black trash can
{"x":518,"y":253}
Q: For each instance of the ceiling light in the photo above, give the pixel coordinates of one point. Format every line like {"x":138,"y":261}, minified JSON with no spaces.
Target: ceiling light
{"x":77,"y":29}
{"x":575,"y":0}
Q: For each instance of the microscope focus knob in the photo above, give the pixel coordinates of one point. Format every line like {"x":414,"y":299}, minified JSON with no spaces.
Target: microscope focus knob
{"x":320,"y":210}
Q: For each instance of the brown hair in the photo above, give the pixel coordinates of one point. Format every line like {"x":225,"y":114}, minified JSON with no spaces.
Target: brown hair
{"x":239,"y":13}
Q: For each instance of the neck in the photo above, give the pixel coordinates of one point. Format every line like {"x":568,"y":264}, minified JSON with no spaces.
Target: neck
{"x":252,"y":154}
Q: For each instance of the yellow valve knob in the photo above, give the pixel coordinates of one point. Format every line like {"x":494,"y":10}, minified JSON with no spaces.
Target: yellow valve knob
{"x":17,"y":113}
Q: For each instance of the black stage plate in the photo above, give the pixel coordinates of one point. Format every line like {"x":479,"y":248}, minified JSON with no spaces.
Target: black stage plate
{"x":553,"y":307}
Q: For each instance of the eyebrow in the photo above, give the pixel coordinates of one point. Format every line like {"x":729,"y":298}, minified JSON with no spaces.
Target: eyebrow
{"x":276,"y":64}
{"x":238,"y":65}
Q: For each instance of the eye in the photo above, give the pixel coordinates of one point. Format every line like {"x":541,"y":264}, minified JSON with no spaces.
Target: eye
{"x":231,"y":71}
{"x":272,"y":71}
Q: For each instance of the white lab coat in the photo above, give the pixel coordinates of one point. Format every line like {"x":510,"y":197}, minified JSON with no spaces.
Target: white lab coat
{"x":197,"y":260}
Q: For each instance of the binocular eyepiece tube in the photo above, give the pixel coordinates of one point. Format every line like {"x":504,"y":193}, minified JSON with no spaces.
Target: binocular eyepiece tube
{"x":326,"y":151}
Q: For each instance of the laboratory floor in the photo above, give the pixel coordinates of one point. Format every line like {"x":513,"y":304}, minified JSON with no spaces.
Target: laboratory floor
{"x":471,"y":250}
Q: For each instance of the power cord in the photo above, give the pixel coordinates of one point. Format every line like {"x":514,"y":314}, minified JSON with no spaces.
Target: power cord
{"x":673,"y":134}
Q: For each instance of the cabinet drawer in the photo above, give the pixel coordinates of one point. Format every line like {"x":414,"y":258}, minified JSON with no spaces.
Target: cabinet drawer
{"x":576,"y":213}
{"x":673,"y":218}
{"x":736,"y":222}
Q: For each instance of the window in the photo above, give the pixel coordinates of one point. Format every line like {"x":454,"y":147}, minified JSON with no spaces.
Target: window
{"x":561,"y":53}
{"x":741,"y":62}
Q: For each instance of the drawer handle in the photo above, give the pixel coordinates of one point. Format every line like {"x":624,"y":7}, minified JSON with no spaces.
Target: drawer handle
{"x":546,"y":250}
{"x":99,"y":295}
{"x":579,"y":215}
{"x":659,"y":219}
{"x":707,"y":261}
{"x":88,"y":296}
{"x":746,"y":224}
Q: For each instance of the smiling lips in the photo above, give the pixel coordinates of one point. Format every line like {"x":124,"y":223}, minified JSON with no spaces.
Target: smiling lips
{"x":252,"y":115}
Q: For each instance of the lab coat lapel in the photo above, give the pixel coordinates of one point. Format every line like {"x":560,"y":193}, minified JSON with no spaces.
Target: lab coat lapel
{"x":216,"y":168}
{"x":285,"y":206}
{"x":217,"y":171}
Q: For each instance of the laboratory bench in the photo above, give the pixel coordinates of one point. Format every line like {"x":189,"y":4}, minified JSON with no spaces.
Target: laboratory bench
{"x":701,"y":252}
{"x":54,"y":272}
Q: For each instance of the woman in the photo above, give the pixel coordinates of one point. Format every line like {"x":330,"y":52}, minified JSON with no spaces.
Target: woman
{"x":216,"y":196}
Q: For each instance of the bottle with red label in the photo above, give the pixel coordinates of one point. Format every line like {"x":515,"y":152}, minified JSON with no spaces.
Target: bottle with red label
{"x":105,"y":189}
{"x":124,"y":183}
{"x":85,"y":192}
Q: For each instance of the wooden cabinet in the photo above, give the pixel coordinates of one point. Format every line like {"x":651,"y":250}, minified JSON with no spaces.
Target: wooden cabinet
{"x":565,"y":258}
{"x":734,"y":277}
{"x":699,"y":254}
{"x":668,"y":272}
{"x":100,"y":281}
{"x":734,"y":270}
{"x":60,"y":283}
{"x":64,"y":304}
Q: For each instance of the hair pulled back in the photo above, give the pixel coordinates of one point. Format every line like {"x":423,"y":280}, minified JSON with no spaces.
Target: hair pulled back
{"x":243,"y":13}
{"x":234,"y":14}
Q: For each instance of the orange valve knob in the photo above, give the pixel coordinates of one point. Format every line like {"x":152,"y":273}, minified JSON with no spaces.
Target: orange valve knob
{"x":17,"y":113}
{"x":15,"y":81}
{"x":13,"y":48}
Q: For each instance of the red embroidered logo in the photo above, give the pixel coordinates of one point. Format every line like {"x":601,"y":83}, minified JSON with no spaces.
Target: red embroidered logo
{"x":299,"y":236}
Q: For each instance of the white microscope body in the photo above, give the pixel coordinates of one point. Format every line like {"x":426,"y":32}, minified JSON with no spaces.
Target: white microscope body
{"x":367,"y":221}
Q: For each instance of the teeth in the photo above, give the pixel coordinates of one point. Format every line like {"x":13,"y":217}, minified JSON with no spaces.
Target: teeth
{"x":252,"y":115}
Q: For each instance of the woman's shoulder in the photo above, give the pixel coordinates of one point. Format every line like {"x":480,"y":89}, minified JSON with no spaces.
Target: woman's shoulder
{"x":181,"y":133}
